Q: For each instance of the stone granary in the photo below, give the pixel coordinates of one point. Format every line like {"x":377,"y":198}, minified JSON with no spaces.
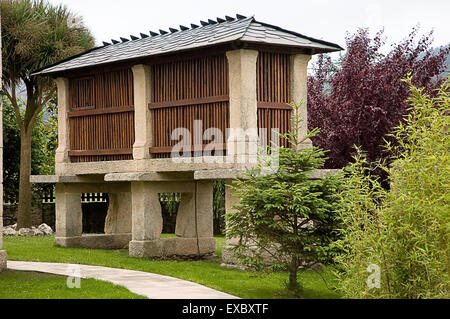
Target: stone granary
{"x":127,"y":110}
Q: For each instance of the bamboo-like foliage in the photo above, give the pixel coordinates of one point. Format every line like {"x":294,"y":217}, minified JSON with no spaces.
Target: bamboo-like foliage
{"x":404,"y":231}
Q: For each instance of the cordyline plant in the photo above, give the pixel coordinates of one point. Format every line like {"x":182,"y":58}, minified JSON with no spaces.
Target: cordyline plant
{"x":34,"y":34}
{"x":405,"y":231}
{"x":285,"y":218}
{"x":361,"y":98}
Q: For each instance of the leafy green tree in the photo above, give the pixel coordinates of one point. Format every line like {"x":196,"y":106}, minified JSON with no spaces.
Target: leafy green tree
{"x":34,"y":34}
{"x":285,"y":215}
{"x":405,"y":231}
{"x":44,"y":143}
{"x":11,"y":153}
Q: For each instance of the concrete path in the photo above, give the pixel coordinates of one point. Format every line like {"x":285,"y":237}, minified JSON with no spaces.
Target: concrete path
{"x":142,"y":283}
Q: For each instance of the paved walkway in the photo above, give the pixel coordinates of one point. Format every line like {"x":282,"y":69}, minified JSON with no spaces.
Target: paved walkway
{"x":142,"y":283}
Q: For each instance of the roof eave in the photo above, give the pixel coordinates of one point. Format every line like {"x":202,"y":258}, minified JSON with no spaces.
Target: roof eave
{"x":40,"y":70}
{"x":127,"y":60}
{"x":333,"y":46}
{"x":292,"y":48}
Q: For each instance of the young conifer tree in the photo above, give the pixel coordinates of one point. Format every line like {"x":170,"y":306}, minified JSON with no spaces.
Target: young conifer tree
{"x":286,"y":216}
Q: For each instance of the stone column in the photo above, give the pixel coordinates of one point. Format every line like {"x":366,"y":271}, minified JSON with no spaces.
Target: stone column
{"x":243,"y":105}
{"x":118,"y":219}
{"x":69,"y":216}
{"x":185,"y":223}
{"x":62,"y":152}
{"x":195,"y":213}
{"x":204,"y":206}
{"x":230,"y":201}
{"x":299,"y":91}
{"x":146,"y":219}
{"x":142,"y":115}
{"x":194,"y":225}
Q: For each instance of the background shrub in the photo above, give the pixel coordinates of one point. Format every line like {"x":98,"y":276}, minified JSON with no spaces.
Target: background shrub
{"x":405,"y":231}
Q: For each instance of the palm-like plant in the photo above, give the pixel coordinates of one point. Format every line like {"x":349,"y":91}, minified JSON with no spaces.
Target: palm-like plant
{"x":35,"y":34}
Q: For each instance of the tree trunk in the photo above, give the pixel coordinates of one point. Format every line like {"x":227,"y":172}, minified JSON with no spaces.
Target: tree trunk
{"x":24,"y":209}
{"x":293,"y":284}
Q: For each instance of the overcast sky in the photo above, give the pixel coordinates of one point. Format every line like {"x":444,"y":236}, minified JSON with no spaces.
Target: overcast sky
{"x":322,"y":19}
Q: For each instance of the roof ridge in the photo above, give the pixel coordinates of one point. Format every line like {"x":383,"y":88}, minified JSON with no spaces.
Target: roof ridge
{"x":203,"y":24}
{"x":251,"y":19}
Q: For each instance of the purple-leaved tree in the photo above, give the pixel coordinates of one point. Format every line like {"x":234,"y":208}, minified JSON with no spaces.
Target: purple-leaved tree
{"x":360,"y":99}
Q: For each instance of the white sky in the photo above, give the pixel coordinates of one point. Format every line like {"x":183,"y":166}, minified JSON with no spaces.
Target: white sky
{"x":323,"y":19}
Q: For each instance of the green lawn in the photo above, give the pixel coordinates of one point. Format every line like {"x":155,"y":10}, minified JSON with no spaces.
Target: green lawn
{"x":245,"y":284}
{"x":34,"y":285}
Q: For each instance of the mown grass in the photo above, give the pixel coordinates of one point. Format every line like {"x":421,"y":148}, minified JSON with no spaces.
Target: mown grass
{"x":35,"y":285}
{"x":245,"y":284}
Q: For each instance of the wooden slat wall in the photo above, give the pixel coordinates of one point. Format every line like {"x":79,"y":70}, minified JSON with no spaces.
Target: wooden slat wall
{"x":273,"y":93}
{"x":82,"y":93}
{"x":188,"y":90}
{"x":102,"y":113}
{"x":102,"y":117}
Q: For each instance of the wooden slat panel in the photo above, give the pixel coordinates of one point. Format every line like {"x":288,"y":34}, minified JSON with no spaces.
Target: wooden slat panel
{"x":82,"y":93}
{"x":185,"y":91}
{"x":273,"y":94}
{"x":273,"y":77}
{"x":103,"y":131}
{"x":269,"y":119}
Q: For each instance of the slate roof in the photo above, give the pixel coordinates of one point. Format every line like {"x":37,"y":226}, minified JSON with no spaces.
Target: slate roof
{"x":212,"y":32}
